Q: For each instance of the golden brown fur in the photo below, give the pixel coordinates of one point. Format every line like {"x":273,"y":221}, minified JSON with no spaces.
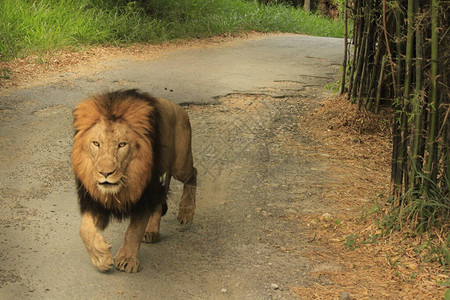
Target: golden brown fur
{"x":124,"y":142}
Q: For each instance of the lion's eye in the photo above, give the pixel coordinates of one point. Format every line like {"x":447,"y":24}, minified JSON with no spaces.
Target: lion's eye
{"x":96,"y":144}
{"x":123,"y":144}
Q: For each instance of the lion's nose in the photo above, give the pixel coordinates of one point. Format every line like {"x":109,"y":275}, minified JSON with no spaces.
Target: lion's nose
{"x":106,"y":174}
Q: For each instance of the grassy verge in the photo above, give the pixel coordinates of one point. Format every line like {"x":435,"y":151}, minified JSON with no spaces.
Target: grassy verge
{"x":28,"y":26}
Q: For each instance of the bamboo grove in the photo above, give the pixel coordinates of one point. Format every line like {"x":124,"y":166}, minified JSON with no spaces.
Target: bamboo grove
{"x":399,"y":56}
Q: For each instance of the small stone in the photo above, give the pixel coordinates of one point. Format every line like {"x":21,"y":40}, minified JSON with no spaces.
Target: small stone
{"x":274,"y":286}
{"x":290,"y":211}
{"x":344,"y":296}
{"x":224,"y":290}
{"x":326,"y":216}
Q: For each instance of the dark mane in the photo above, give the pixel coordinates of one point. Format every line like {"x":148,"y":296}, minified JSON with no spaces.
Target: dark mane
{"x":110,"y":101}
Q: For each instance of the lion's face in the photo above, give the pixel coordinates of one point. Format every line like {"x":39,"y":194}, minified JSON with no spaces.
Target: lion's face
{"x":112,"y":153}
{"x":111,"y":148}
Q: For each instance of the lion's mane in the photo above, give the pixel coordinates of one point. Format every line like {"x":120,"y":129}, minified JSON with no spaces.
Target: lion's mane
{"x":143,"y":190}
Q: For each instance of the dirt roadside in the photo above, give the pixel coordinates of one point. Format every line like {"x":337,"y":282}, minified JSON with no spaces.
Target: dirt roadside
{"x":279,"y":192}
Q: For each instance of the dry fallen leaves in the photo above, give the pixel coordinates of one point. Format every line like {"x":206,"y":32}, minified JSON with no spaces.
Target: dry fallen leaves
{"x":357,"y":145}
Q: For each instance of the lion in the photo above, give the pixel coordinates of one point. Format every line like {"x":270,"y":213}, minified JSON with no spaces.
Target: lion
{"x":126,"y":147}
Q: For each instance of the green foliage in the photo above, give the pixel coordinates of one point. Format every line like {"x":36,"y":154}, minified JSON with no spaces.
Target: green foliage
{"x":352,"y":241}
{"x":334,"y":86}
{"x":421,"y":209}
{"x":29,"y":26}
{"x":5,"y":73}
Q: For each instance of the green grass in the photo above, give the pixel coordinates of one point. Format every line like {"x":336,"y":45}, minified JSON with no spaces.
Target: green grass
{"x":28,"y":26}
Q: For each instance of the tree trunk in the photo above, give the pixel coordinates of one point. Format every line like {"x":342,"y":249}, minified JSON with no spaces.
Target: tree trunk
{"x":307,"y":5}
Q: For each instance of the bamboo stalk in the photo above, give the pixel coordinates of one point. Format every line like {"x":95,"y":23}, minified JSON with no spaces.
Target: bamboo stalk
{"x":372,"y":80}
{"x":402,"y":176}
{"x":344,"y":65}
{"x":409,"y":52}
{"x":364,"y":62}
{"x":360,"y":59}
{"x":430,"y":168}
{"x":385,"y":31}
{"x":394,"y":164}
{"x":380,"y":83}
{"x":416,"y":159}
{"x":398,"y":50}
{"x":356,"y":31}
{"x":400,"y":137}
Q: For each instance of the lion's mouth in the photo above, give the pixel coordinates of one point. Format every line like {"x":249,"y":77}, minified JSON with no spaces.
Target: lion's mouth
{"x":106,"y":183}
{"x":109,"y":187}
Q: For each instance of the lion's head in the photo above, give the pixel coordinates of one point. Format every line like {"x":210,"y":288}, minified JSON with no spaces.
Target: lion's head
{"x":112,"y":148}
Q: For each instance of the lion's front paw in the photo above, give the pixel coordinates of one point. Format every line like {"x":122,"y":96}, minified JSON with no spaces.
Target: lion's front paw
{"x":151,"y":237}
{"x":186,"y":214}
{"x":101,"y":256}
{"x":127,"y":264}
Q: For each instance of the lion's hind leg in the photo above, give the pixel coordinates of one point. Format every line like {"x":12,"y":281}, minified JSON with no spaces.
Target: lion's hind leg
{"x":99,"y":251}
{"x":187,"y":204}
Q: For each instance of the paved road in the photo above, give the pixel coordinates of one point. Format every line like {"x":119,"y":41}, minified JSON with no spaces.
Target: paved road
{"x":200,"y":75}
{"x":41,"y":254}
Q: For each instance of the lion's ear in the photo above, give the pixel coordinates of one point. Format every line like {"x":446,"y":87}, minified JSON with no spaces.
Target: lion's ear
{"x":85,"y":115}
